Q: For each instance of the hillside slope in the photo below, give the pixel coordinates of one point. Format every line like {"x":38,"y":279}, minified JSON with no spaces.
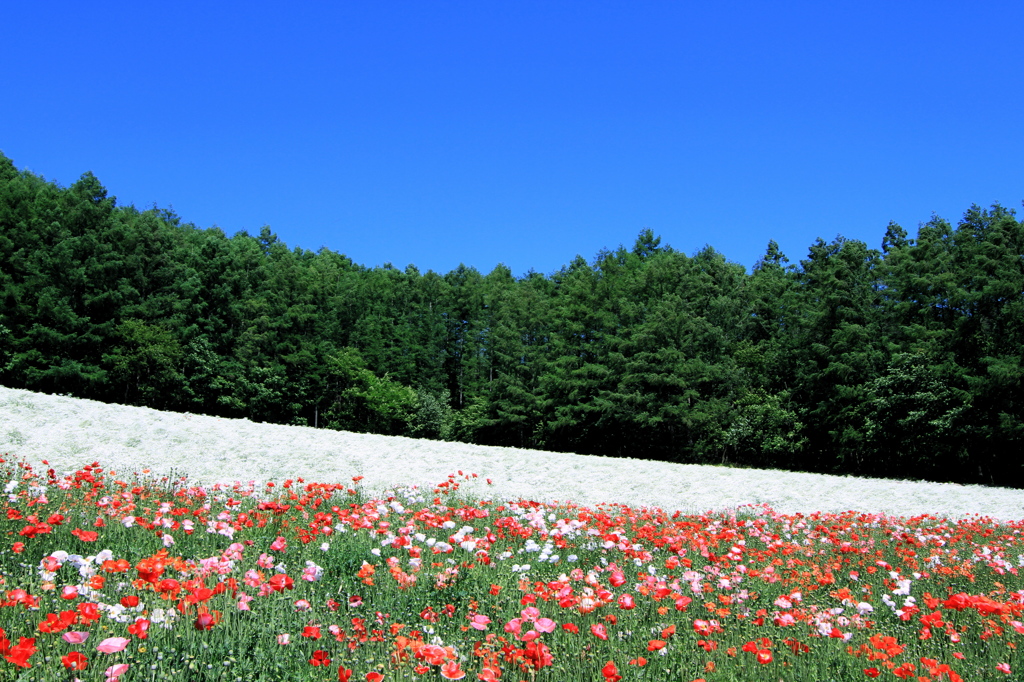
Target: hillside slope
{"x":69,"y":433}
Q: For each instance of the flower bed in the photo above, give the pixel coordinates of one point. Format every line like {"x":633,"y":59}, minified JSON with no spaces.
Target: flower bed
{"x":133,"y":577}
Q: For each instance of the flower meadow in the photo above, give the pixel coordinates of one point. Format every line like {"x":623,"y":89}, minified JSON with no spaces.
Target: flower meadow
{"x":110,"y":576}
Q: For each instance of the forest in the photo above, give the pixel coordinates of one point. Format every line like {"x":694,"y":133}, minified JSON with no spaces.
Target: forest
{"x":903,"y":361}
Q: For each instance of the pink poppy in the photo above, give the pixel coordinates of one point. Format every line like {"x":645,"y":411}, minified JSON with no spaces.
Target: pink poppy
{"x":514,"y":626}
{"x":111,"y":645}
{"x":115,"y":671}
{"x":545,"y":625}
{"x":75,"y":637}
{"x":451,"y":671}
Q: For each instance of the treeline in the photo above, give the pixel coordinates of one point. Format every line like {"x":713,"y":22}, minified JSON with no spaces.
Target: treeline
{"x":904,"y":361}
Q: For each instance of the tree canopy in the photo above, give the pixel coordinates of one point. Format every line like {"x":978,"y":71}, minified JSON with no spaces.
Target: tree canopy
{"x":902,"y":361}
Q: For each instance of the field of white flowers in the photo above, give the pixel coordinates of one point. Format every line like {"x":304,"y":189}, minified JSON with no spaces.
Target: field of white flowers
{"x":69,"y":433}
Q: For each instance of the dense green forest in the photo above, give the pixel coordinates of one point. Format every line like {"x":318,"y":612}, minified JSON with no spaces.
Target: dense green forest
{"x":903,"y":362}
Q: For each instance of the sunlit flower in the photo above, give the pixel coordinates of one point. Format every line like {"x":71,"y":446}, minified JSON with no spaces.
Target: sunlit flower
{"x":75,"y":637}
{"x":320,"y":657}
{"x":111,"y":645}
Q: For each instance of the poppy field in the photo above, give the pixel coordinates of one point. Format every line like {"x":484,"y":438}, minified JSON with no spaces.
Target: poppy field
{"x":128,"y":576}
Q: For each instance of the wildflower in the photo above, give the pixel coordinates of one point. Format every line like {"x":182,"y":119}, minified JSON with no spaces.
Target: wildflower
{"x":1003,"y":668}
{"x":75,"y":661}
{"x":21,"y":652}
{"x":545,"y":625}
{"x":114,"y":672}
{"x":538,"y":655}
{"x":599,"y":631}
{"x":451,"y":671}
{"x":320,"y":657}
{"x":905,"y":671}
{"x":111,"y":645}
{"x":284,"y":639}
{"x":611,"y":672}
{"x":279,"y":545}
{"x":281,"y":582}
{"x":374,"y":676}
{"x":140,"y":628}
{"x":85,"y":535}
{"x":206,"y":621}
{"x":479,"y":622}
{"x":75,"y":637}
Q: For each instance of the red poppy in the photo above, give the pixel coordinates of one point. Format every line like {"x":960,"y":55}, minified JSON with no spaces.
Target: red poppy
{"x":320,"y":657}
{"x":344,"y":674}
{"x":22,"y":651}
{"x":131,"y":601}
{"x":140,"y":628}
{"x":904,"y":671}
{"x":85,"y":535}
{"x":75,"y":661}
{"x":281,"y":582}
{"x":539,"y":655}
{"x":89,"y":611}
{"x":205,"y":621}
{"x":452,"y":671}
{"x":611,"y":672}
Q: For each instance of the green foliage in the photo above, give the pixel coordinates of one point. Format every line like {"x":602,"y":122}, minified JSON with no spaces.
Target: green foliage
{"x":899,"y":361}
{"x":146,"y":361}
{"x":365,"y":402}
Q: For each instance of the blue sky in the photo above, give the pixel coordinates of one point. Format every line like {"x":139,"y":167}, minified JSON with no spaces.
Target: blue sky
{"x":524,"y":132}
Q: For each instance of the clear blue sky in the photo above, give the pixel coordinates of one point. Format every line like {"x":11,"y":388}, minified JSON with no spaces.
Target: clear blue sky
{"x":523,"y":132}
